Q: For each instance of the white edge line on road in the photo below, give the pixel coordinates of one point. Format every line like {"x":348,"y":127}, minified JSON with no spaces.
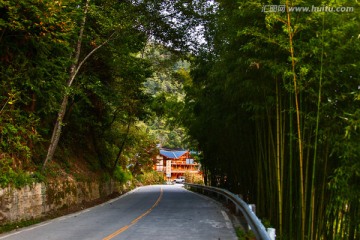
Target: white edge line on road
{"x":227,"y":220}
{"x":226,"y":217}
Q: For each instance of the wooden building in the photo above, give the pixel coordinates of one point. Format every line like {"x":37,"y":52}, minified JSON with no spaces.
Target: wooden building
{"x":174,"y":163}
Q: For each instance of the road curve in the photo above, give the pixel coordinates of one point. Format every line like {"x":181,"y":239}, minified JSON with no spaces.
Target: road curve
{"x":151,"y":212}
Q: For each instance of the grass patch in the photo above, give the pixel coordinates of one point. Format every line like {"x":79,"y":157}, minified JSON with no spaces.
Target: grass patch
{"x":244,"y":235}
{"x":12,"y":226}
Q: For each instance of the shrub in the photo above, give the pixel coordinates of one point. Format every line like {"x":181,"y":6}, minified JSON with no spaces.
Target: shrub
{"x":193,"y":178}
{"x":122,"y":175}
{"x":8,"y":176}
{"x":152,"y":177}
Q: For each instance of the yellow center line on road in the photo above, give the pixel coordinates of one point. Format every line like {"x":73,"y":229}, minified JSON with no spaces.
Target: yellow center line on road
{"x":114,"y":234}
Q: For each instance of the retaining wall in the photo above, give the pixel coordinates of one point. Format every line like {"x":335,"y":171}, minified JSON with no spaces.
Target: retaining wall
{"x":39,"y":199}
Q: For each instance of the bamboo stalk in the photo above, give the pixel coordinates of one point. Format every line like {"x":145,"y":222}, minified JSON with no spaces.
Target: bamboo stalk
{"x":312,"y":204}
{"x":322,"y":195}
{"x":290,"y":166}
{"x":278,"y":174}
{"x":298,"y":124}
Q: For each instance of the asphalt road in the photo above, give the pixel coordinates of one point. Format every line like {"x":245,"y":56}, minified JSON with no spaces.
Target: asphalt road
{"x":152,"y":212}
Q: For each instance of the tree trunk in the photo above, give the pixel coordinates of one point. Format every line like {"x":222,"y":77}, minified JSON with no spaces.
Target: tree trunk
{"x":73,"y":71}
{"x":121,"y":147}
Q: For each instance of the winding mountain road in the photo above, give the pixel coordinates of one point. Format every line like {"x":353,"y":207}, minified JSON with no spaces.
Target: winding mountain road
{"x":151,"y":212}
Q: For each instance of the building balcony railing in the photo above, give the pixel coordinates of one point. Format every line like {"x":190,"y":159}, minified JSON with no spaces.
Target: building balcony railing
{"x":184,"y":170}
{"x":183,"y":163}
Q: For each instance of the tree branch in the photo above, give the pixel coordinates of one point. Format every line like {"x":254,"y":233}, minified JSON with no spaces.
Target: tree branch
{"x":87,"y":56}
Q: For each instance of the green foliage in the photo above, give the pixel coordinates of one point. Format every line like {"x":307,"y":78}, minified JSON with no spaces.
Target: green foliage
{"x":240,"y":233}
{"x":38,"y":177}
{"x":38,"y":42}
{"x":166,"y":85}
{"x":12,"y":226}
{"x":11,"y":177}
{"x":16,"y":137}
{"x":243,"y":235}
{"x":105,"y":177}
{"x":140,"y":150}
{"x":121,"y":175}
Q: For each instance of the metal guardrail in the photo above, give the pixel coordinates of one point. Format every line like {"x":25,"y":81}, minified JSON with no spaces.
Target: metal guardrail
{"x":256,"y":226}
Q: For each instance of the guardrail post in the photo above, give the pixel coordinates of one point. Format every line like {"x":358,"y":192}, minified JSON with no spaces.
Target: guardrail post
{"x":253,"y":208}
{"x":271,"y":232}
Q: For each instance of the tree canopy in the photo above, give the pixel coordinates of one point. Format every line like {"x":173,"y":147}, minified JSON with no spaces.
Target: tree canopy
{"x":73,"y":72}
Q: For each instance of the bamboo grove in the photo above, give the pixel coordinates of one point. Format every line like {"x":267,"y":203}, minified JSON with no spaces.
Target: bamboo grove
{"x":274,"y":105}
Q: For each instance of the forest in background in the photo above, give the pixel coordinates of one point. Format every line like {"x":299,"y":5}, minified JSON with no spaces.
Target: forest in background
{"x":269,"y":98}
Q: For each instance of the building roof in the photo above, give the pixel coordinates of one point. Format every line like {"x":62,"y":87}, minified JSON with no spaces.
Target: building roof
{"x":172,"y":154}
